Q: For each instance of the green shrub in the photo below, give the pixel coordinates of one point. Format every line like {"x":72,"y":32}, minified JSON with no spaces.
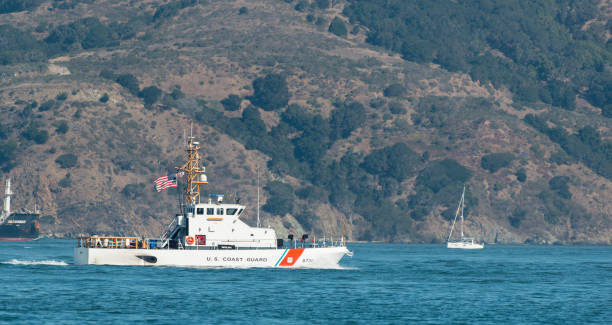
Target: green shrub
{"x":270,"y":92}
{"x":517,"y":217}
{"x":243,"y":11}
{"x":150,"y":95}
{"x":521,"y":176}
{"x":323,"y":4}
{"x":34,"y":133}
{"x":8,"y":6}
{"x":232,"y":102}
{"x":19,"y":46}
{"x":312,"y":193}
{"x":67,"y":160}
{"x":606,"y":110}
{"x":346,"y":118}
{"x":172,"y":9}
{"x":7,"y":154}
{"x":302,"y":5}
{"x":104,"y":98}
{"x":61,"y":96}
{"x":496,"y":161}
{"x":394,"y":90}
{"x":397,"y":108}
{"x":377,"y":102}
{"x":133,"y":191}
{"x":559,"y":185}
{"x":560,"y":158}
{"x":397,"y":161}
{"x":87,"y":32}
{"x":66,"y":181}
{"x":281,"y":198}
{"x":49,"y":105}
{"x":338,"y":28}
{"x":61,"y":127}
{"x":107,"y":74}
{"x":129,"y":82}
{"x":443,"y":173}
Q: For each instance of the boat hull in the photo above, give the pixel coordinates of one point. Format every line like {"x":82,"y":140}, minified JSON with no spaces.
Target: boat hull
{"x":318,"y":257}
{"x":17,"y":238}
{"x":20,"y":227}
{"x":463,"y":245}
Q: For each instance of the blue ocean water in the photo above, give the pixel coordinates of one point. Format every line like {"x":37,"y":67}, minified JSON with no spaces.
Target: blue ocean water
{"x":381,"y":284}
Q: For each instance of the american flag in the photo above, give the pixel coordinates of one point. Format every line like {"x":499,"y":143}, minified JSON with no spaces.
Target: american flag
{"x":165,"y":182}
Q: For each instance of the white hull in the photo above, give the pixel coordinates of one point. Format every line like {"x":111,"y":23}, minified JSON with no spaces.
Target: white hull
{"x":464,"y":245}
{"x":319,"y":257}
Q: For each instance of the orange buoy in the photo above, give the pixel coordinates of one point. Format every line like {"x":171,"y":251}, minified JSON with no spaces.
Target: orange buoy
{"x":189,"y":240}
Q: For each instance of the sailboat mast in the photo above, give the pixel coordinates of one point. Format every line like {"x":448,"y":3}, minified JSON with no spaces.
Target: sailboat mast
{"x":258,"y":196}
{"x":462,"y":204}
{"x":455,"y":220}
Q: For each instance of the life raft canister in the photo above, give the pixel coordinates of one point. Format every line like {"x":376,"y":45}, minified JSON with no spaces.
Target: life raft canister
{"x":189,"y":240}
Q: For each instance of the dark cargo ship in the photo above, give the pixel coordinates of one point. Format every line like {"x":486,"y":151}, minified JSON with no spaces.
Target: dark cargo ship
{"x":17,"y":226}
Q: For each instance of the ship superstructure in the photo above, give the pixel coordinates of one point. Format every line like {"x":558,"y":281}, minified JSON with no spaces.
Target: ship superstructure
{"x":209,"y":232}
{"x":17,"y":226}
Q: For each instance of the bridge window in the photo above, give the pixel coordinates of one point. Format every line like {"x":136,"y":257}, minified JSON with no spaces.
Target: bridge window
{"x":200,"y":211}
{"x":231,"y":211}
{"x":210,"y":211}
{"x":219,"y":211}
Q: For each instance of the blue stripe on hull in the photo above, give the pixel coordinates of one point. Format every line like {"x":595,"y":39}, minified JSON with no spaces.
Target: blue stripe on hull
{"x":281,"y":258}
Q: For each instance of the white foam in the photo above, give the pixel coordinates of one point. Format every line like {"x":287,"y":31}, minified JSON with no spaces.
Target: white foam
{"x":44,"y":262}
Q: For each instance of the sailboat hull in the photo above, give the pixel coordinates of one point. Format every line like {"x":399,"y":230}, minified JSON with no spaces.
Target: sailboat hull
{"x":464,"y":245}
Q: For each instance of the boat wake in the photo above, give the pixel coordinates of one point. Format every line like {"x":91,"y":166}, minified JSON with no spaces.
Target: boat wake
{"x":43,"y":262}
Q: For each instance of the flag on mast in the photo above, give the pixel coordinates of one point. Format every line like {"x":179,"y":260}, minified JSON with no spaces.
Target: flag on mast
{"x":165,"y":182}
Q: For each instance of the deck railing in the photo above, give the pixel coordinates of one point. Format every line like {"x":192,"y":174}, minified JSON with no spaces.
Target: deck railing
{"x":120,"y":242}
{"x":111,"y":242}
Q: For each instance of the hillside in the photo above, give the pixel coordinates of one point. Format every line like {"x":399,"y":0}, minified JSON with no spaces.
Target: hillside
{"x":356,"y":128}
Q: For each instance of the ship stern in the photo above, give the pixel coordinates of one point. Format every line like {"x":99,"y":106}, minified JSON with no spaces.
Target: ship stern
{"x":81,"y":255}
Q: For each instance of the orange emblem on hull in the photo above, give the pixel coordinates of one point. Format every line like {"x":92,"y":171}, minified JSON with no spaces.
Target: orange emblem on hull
{"x":292,"y":256}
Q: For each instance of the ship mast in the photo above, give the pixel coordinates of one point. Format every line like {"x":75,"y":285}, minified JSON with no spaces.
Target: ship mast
{"x":6,"y":211}
{"x":195,"y":173}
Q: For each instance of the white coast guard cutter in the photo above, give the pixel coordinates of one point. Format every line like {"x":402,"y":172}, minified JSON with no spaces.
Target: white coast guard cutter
{"x":209,"y":234}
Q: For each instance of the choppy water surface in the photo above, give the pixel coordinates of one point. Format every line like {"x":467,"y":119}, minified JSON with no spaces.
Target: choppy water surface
{"x":381,"y":284}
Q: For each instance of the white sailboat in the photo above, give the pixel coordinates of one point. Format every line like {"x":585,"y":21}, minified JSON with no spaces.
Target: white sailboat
{"x":464,"y":242}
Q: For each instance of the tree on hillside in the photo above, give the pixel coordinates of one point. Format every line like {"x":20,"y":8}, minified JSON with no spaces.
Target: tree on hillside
{"x":231,"y":102}
{"x":559,"y":185}
{"x":7,"y":6}
{"x":338,"y":28}
{"x":129,"y":82}
{"x":150,"y":95}
{"x":394,"y":90}
{"x":323,"y":4}
{"x":7,"y":154}
{"x":281,"y":198}
{"x":35,"y":133}
{"x":442,"y":173}
{"x":346,"y":118}
{"x":496,"y":161}
{"x":270,"y":92}
{"x":252,"y":122}
{"x":67,"y":160}
{"x":397,"y":161}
